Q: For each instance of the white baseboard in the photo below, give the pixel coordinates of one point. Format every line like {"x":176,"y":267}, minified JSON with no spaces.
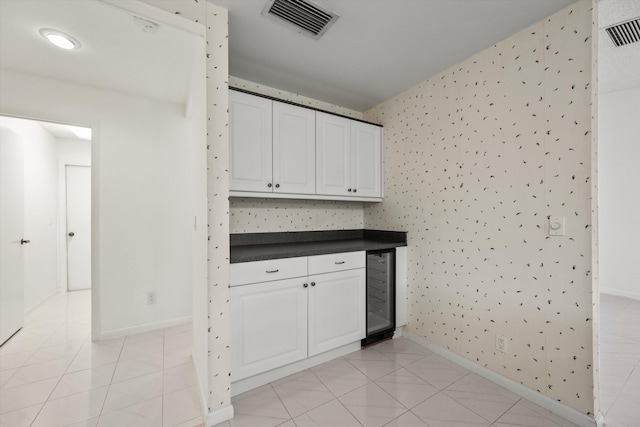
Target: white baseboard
{"x":620,"y":293}
{"x":146,"y":327}
{"x":37,"y":304}
{"x":221,"y":415}
{"x":546,"y":402}
{"x":600,"y":419}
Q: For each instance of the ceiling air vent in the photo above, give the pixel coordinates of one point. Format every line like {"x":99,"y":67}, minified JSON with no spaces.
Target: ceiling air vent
{"x":625,"y":33}
{"x":305,"y":16}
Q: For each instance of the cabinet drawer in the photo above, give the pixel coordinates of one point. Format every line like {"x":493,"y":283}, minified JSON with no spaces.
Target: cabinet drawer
{"x":336,"y":262}
{"x":264,"y":271}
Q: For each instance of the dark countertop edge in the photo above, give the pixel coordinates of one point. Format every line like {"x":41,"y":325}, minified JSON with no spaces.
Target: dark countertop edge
{"x":253,"y":239}
{"x":298,"y":244}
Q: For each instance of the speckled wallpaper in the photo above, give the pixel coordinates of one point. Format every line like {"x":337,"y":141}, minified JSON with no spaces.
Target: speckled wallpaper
{"x":476,"y":159}
{"x":277,"y":215}
{"x":249,"y":215}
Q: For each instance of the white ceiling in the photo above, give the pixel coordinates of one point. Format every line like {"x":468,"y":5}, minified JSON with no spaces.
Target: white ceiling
{"x":376,"y":49}
{"x":115,"y":54}
{"x":618,"y":67}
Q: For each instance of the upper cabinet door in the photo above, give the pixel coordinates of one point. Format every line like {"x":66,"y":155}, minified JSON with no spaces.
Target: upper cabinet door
{"x":250,"y":143}
{"x":294,"y":155}
{"x":366,"y":165}
{"x":333,"y":155}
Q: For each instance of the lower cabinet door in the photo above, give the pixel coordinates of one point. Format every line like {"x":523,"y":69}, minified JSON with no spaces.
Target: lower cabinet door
{"x":268,"y":326}
{"x":336,"y":309}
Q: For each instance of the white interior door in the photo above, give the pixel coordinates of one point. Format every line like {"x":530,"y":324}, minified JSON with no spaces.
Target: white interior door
{"x":11,"y":229}
{"x":78,"y":183}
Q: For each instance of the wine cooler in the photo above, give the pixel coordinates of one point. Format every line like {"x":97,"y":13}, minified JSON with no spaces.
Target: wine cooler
{"x":380,"y":295}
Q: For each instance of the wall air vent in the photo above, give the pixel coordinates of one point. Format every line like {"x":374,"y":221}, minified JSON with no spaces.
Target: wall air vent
{"x":625,"y":32}
{"x":304,"y":16}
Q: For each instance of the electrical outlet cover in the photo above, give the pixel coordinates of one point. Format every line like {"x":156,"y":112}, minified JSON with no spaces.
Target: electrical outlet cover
{"x":556,"y":226}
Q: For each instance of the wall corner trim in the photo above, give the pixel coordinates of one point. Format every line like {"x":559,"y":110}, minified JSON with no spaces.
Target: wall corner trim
{"x":548,"y":403}
{"x":222,"y":414}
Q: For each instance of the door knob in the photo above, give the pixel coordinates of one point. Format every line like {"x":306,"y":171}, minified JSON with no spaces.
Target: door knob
{"x":24,"y":242}
{"x":71,"y":234}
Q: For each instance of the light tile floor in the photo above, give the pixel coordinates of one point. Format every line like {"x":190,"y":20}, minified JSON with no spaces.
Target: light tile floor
{"x":395,"y":383}
{"x":52,"y":374}
{"x":620,"y":361}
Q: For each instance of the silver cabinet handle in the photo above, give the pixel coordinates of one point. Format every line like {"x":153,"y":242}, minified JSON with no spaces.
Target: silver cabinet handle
{"x":272,"y":271}
{"x":339,"y":262}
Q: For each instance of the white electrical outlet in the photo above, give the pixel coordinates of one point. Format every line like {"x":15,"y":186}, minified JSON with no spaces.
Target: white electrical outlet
{"x":501,"y":343}
{"x":151,"y":297}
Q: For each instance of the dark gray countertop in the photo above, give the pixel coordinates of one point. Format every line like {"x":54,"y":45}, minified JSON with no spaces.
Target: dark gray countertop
{"x":262,"y":246}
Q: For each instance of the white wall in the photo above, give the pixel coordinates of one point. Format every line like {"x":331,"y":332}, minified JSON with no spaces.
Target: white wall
{"x":619,"y":195}
{"x":40,"y":211}
{"x":69,"y":152}
{"x":141,"y":184}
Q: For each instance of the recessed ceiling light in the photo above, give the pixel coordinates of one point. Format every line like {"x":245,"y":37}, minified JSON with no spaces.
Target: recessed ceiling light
{"x":60,"y":39}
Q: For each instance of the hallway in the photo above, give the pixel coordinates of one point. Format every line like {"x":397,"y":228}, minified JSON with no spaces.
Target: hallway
{"x":51,"y":374}
{"x":620,"y":361}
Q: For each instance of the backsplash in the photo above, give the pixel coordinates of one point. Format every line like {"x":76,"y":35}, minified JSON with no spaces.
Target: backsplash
{"x":269,"y":215}
{"x":476,"y":158}
{"x":250,"y":215}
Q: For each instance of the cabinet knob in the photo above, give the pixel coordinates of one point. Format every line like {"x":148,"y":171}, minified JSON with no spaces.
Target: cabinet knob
{"x":269,"y":185}
{"x":349,"y":190}
{"x":355,"y":189}
{"x":306,"y":285}
{"x":313,"y":283}
{"x":277,"y":185}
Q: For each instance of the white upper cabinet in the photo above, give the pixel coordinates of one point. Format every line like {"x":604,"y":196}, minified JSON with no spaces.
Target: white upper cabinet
{"x":294,"y":157}
{"x":366,"y":164}
{"x":348,"y":155}
{"x":250,"y":148}
{"x":280,"y":150}
{"x":333,"y":154}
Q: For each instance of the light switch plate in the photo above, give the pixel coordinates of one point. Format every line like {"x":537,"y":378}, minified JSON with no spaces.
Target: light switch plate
{"x":556,"y":226}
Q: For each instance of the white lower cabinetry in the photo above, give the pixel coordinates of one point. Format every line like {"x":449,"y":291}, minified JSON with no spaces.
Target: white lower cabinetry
{"x":268,"y":326}
{"x":336,"y":309}
{"x":276,"y":323}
